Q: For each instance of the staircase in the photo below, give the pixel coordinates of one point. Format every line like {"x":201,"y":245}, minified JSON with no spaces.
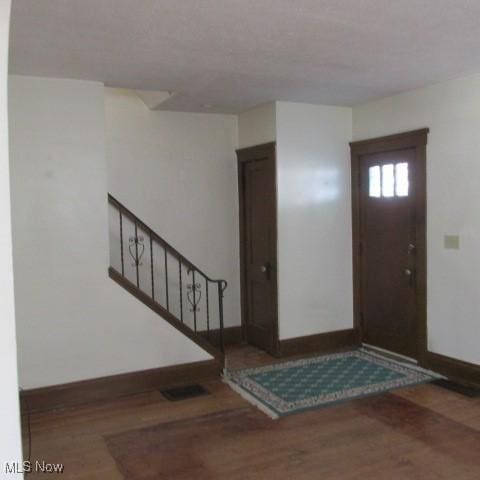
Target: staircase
{"x":158,"y":275}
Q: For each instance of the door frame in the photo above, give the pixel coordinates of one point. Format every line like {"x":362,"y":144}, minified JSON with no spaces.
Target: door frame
{"x":243,"y":156}
{"x":417,"y":140}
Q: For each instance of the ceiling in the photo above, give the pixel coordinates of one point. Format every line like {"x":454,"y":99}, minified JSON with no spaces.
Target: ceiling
{"x":231,"y":55}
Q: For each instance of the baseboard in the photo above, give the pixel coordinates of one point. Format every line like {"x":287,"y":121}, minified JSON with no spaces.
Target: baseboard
{"x":456,"y":370}
{"x":231,"y":336}
{"x":76,"y":393}
{"x":320,"y":343}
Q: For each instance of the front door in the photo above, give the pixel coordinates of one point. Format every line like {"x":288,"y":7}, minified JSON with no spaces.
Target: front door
{"x":257,"y":188}
{"x":388,"y":246}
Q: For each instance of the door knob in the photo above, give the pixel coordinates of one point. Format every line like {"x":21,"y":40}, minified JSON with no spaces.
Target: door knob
{"x":411,"y":276}
{"x":411,"y":248}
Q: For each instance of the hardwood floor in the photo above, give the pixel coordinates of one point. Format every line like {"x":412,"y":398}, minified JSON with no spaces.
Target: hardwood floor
{"x":423,"y":432}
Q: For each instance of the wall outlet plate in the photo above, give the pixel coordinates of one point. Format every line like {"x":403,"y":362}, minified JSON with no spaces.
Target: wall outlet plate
{"x":451,"y":242}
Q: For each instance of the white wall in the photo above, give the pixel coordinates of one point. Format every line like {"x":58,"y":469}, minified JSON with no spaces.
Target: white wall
{"x":314,"y":219}
{"x":257,"y":126}
{"x":452,"y":112}
{"x":73,"y":322}
{"x":10,"y":445}
{"x":177,"y":172}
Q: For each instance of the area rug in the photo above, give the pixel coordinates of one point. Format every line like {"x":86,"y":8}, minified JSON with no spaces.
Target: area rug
{"x":296,"y":386}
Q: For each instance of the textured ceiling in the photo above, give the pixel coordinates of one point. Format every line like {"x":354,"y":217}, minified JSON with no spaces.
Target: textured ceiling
{"x":234,"y":54}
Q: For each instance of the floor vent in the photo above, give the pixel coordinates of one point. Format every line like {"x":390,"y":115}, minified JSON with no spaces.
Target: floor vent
{"x":458,"y":388}
{"x":185,"y":392}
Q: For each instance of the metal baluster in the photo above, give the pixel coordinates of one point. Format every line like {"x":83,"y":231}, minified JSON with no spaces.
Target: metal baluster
{"x":221,"y":288}
{"x":166,"y":279}
{"x":121,"y":242}
{"x":194,"y":291}
{"x":151,"y":267}
{"x":180,"y":282}
{"x":136,"y":254}
{"x":208,"y":309}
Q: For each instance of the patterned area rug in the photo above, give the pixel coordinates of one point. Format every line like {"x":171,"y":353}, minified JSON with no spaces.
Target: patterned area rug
{"x":300,"y":385}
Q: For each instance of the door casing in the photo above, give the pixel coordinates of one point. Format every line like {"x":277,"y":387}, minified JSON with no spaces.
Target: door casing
{"x":245,"y":155}
{"x":416,"y":140}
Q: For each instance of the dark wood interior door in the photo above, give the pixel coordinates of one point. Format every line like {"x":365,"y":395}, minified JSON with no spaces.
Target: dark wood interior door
{"x":388,"y":250}
{"x":258,"y":245}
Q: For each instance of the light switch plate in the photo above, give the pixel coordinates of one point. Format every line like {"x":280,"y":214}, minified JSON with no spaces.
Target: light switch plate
{"x":451,"y":242}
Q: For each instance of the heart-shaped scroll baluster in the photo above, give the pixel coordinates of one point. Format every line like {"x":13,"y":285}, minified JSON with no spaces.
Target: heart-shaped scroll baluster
{"x":136,"y":249}
{"x":194,"y":295}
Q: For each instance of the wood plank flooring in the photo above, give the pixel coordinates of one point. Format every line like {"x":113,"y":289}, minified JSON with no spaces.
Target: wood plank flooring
{"x":419,"y":433}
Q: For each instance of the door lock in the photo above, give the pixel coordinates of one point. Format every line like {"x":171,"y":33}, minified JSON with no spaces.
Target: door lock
{"x":265,"y":268}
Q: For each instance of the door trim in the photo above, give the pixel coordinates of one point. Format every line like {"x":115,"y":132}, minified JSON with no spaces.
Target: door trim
{"x":243,"y":156}
{"x":416,"y":139}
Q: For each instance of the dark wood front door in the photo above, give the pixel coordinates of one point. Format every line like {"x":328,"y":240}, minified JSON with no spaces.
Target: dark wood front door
{"x":391,"y":247}
{"x":388,"y":250}
{"x":258,"y":239}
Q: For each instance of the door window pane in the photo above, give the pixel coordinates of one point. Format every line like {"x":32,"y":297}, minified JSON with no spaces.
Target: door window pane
{"x":401,"y":179}
{"x":388,"y":180}
{"x":374,"y":184}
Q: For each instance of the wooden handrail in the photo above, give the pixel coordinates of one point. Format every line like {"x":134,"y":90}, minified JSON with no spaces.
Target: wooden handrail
{"x":112,"y":200}
{"x":150,"y":298}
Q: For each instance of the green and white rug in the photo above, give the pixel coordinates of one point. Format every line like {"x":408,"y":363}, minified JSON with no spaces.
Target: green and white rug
{"x":296,"y":386}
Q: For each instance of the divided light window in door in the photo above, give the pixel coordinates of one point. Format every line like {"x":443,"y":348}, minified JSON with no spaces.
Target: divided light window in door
{"x":390,"y":180}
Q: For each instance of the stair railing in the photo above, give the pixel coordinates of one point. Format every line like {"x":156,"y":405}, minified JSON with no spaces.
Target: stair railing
{"x":171,"y":281}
